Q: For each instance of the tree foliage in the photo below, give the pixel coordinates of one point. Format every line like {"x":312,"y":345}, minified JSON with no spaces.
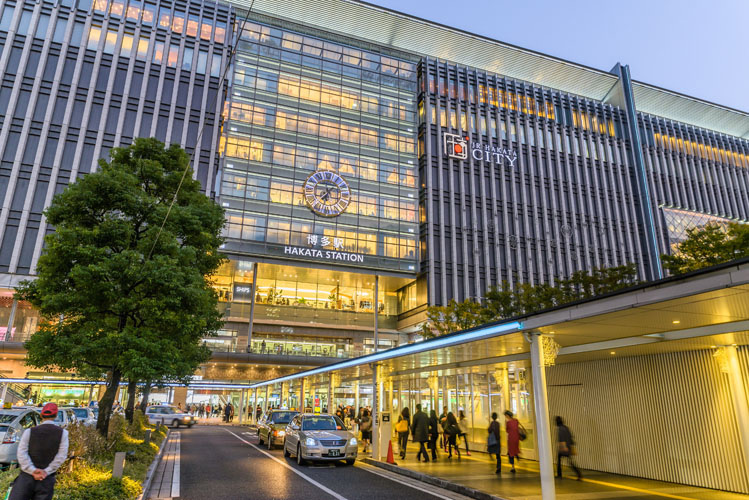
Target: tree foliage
{"x":707,"y":246}
{"x":117,"y":297}
{"x":504,"y":301}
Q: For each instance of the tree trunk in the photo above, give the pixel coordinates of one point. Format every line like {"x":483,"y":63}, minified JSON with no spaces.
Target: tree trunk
{"x":146,"y":394}
{"x":130,"y":409}
{"x":106,"y":402}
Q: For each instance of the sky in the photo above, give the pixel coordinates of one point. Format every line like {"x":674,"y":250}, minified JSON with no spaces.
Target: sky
{"x":696,"y":48}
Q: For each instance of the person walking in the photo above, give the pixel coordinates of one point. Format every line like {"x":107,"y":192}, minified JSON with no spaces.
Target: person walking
{"x":463,"y":425}
{"x":402,"y":428}
{"x":420,"y":430}
{"x":227,"y":412}
{"x":443,"y":426}
{"x":493,"y":442}
{"x":434,"y":430}
{"x":365,"y":425}
{"x":513,"y":427}
{"x":451,"y":432}
{"x":41,"y":451}
{"x":565,"y":448}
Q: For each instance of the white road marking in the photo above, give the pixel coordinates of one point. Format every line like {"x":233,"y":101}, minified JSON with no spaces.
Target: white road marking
{"x":292,"y":469}
{"x":417,"y":485}
{"x":176,"y":473}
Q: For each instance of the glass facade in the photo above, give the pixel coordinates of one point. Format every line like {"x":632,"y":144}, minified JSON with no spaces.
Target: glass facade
{"x":299,"y":104}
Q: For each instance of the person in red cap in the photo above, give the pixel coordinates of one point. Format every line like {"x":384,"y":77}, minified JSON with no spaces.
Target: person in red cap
{"x":41,"y":451}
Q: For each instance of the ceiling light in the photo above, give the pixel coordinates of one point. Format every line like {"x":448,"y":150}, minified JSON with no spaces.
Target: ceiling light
{"x":676,"y":322}
{"x":612,"y":352}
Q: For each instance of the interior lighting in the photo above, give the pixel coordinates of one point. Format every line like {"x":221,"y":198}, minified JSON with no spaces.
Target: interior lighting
{"x":613,"y":352}
{"x":676,"y":322}
{"x":428,"y":345}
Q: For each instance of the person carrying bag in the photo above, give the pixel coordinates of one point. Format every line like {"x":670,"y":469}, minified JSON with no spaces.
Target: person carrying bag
{"x":492,"y":441}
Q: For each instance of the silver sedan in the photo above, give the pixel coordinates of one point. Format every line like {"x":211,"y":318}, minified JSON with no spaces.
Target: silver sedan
{"x":319,"y":438}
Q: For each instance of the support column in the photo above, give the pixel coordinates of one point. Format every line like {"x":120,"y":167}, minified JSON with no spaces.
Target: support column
{"x":506,"y":389}
{"x":5,"y":393}
{"x":301,"y":395}
{"x":90,"y":395}
{"x":265,"y":401}
{"x":375,"y":413}
{"x":241,"y":406}
{"x":252,"y":306}
{"x":331,"y":409}
{"x":376,"y":311}
{"x":740,"y":400}
{"x":254,"y":407}
{"x":543,"y":432}
{"x":356,"y":398}
{"x":11,"y":319}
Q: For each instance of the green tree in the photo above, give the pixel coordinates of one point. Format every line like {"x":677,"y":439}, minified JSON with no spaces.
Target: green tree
{"x":503,"y":301}
{"x":707,"y":246}
{"x":123,"y":289}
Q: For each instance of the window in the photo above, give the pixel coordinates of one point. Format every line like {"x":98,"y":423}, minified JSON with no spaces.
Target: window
{"x":100,"y":5}
{"x":220,"y":33}
{"x":202,"y":60}
{"x":127,"y":45}
{"x":142,"y":49}
{"x":178,"y":22}
{"x":158,"y":53}
{"x":164,"y":18}
{"x":187,"y":59}
{"x":23,"y":26}
{"x":149,"y":14}
{"x":216,"y":65}
{"x":41,"y":27}
{"x":133,"y":10}
{"x":60,"y":26}
{"x":75,"y":40}
{"x":94,"y":35}
{"x":118,"y":7}
{"x":7,"y":17}
{"x":173,"y":55}
{"x":110,"y":42}
{"x":192,"y":25}
{"x":205,"y":30}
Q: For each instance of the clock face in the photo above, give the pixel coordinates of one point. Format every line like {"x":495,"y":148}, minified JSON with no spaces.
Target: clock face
{"x":326,"y":193}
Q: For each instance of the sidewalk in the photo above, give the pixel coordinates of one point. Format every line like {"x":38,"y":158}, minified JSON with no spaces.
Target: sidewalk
{"x":165,"y":484}
{"x":477,"y":472}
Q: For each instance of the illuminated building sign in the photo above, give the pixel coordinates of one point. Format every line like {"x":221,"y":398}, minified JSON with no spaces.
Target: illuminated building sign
{"x":457,"y":147}
{"x":321,"y":253}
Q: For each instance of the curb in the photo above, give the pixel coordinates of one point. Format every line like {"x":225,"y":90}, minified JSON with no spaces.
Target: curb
{"x":435,"y":481}
{"x":152,"y":468}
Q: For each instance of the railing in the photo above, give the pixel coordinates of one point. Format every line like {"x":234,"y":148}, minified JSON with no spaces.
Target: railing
{"x":307,"y":314}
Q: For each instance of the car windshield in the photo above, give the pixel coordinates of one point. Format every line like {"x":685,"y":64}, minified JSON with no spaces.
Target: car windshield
{"x":59,"y":417}
{"x":169,"y":410}
{"x":80,"y":412}
{"x":282,"y":417}
{"x":322,"y":424}
{"x":6,"y":418}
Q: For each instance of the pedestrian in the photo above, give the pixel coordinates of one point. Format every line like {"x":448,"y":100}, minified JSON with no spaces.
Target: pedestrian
{"x":41,"y":451}
{"x":515,"y":433}
{"x":451,"y":432}
{"x":493,"y":441}
{"x":443,"y":425}
{"x":258,"y":412}
{"x":366,"y":428}
{"x":227,"y":412}
{"x":420,"y":430}
{"x":565,"y":448}
{"x":434,"y":429}
{"x":463,"y":425}
{"x":231,"y":412}
{"x":402,"y":427}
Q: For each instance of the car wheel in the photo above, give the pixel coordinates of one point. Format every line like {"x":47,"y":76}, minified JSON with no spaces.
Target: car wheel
{"x":259,"y":438}
{"x":299,"y":459}
{"x":175,"y":423}
{"x":285,"y":450}
{"x":350,"y":461}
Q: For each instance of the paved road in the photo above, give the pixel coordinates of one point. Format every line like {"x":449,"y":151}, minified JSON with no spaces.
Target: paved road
{"x":221,"y":463}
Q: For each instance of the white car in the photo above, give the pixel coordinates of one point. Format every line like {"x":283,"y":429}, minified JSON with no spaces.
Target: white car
{"x":85,"y":415}
{"x":169,"y":415}
{"x":319,"y":438}
{"x":12,"y":424}
{"x":65,"y":417}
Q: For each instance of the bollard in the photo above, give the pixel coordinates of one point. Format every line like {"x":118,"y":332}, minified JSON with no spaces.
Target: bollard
{"x":119,"y":464}
{"x":147,"y":437}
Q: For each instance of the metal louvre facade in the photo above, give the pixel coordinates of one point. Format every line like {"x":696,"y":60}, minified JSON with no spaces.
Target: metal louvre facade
{"x":567,"y":203}
{"x":79,"y":79}
{"x":693,"y":437}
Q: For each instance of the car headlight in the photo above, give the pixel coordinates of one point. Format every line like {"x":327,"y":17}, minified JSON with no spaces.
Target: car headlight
{"x":281,"y":433}
{"x":353,"y":442}
{"x":310,"y":442}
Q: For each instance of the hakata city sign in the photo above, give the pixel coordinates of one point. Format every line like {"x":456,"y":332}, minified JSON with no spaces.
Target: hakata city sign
{"x":458,"y":147}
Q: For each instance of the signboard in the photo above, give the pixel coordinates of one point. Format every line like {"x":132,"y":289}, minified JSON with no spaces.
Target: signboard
{"x":317,"y":249}
{"x":459,"y":147}
{"x":242,"y":292}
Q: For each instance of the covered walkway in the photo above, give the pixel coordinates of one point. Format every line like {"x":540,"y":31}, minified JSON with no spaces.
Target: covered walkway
{"x":652,"y":381}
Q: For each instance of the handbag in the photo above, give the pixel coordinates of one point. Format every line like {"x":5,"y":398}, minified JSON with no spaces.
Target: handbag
{"x":522,"y":433}
{"x":402,"y":426}
{"x":492,"y":440}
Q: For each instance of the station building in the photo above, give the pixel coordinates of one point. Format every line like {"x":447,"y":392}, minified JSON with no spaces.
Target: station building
{"x":370,"y":163}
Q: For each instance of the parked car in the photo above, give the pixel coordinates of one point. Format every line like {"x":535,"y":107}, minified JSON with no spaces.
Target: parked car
{"x":65,"y":417}
{"x":271,"y":428}
{"x":169,"y":415}
{"x":12,"y":424}
{"x":85,"y":415}
{"x":319,"y":438}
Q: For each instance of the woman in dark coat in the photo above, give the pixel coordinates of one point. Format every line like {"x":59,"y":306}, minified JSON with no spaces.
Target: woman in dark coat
{"x":496,"y":448}
{"x":451,"y":431}
{"x":434,"y":429}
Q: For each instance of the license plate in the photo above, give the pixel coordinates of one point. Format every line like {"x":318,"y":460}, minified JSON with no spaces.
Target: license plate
{"x":334,"y":453}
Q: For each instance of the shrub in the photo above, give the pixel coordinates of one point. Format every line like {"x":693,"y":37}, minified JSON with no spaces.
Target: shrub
{"x":91,"y":482}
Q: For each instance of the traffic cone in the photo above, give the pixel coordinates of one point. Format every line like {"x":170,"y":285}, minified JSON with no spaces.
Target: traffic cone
{"x":390,"y":459}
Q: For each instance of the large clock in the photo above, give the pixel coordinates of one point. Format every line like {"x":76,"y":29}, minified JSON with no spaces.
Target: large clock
{"x":326,"y":193}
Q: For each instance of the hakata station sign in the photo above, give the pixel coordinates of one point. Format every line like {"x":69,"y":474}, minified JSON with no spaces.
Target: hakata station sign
{"x":458,"y":147}
{"x":316,"y":250}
